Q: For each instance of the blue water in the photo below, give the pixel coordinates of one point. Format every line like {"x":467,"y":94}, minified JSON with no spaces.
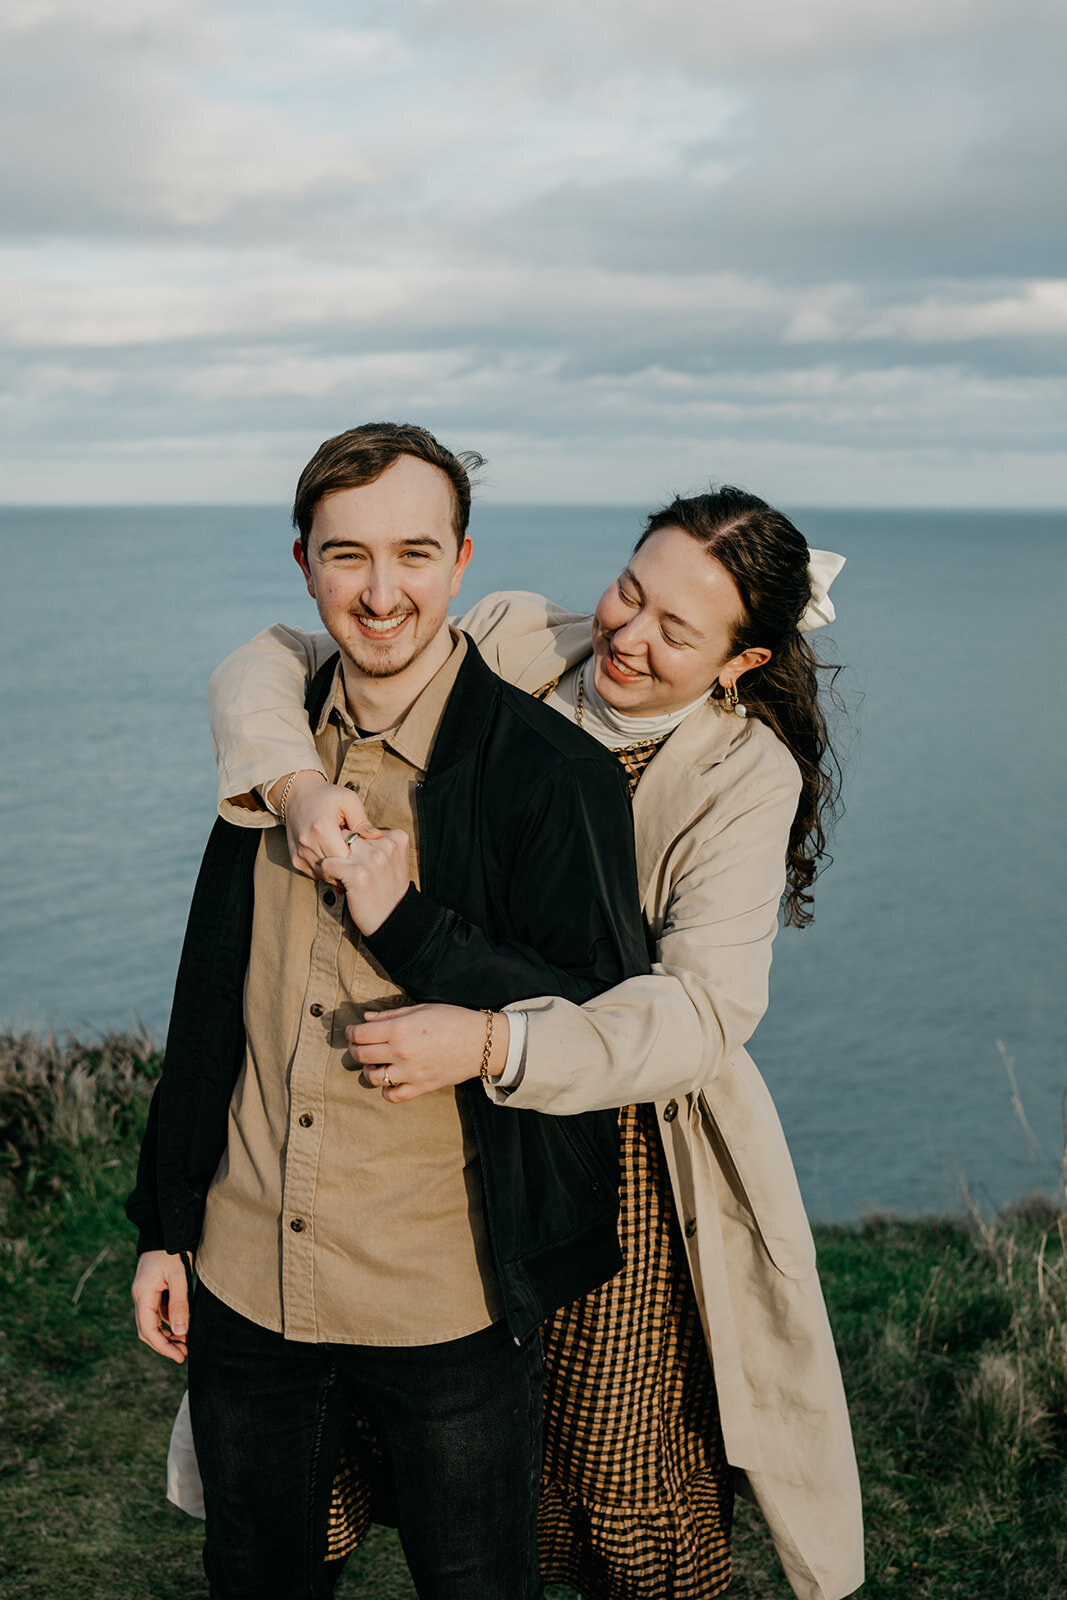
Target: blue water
{"x":939,"y":927}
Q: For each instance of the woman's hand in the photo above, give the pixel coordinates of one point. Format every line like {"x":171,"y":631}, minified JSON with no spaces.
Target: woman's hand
{"x":319,"y":816}
{"x":425,"y":1048}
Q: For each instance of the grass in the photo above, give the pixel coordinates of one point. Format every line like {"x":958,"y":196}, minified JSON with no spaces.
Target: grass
{"x":952,"y":1334}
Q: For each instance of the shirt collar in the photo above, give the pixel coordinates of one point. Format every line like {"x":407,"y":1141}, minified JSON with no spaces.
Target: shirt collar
{"x":414,"y":735}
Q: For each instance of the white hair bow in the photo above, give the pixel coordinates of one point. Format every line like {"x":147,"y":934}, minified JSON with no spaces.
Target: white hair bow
{"x":823,"y":567}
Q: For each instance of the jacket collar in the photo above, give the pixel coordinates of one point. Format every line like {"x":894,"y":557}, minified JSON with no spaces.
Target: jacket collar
{"x":471,"y":703}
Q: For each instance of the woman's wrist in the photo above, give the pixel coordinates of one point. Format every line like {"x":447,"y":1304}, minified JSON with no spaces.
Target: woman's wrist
{"x":498,"y":1052}
{"x":285,"y":786}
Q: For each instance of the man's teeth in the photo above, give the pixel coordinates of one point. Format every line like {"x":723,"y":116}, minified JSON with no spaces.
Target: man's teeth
{"x":382,"y":624}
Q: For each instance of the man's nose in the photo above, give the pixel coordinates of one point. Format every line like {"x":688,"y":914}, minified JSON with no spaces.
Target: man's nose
{"x":381,"y":592}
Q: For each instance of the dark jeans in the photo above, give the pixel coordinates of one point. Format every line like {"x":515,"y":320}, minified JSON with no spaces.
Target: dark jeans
{"x":459,"y":1426}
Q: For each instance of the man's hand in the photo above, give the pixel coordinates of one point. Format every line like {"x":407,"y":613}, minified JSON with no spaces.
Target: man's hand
{"x":319,"y":816}
{"x":375,"y":874}
{"x":161,"y":1304}
{"x":425,"y":1048}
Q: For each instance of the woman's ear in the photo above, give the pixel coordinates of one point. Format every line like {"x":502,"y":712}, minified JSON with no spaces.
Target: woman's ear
{"x":744,"y":662}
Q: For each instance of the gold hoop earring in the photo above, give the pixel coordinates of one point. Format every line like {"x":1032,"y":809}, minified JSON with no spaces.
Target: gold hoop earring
{"x":729,"y":694}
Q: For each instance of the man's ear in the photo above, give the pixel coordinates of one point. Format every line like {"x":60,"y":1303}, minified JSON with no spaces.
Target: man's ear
{"x":302,"y":562}
{"x":466,"y":550}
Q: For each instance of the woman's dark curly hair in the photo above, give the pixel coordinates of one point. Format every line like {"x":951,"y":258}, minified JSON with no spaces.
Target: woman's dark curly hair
{"x":768,"y":560}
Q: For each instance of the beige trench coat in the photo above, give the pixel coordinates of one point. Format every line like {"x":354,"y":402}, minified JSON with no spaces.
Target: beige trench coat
{"x":712,"y":815}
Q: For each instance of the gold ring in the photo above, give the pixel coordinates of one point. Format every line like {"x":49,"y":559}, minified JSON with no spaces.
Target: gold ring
{"x":387,"y":1081}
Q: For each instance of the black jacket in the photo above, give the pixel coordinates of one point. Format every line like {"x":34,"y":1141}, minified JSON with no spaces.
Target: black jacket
{"x":529,"y":886}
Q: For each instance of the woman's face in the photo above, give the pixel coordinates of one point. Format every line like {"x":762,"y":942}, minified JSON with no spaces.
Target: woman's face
{"x":662,"y":631}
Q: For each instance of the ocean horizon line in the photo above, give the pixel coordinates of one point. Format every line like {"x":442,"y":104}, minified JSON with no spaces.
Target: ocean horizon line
{"x":818,"y":507}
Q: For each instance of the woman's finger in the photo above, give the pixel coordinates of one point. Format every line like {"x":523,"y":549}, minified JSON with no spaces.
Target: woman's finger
{"x":372,"y":1055}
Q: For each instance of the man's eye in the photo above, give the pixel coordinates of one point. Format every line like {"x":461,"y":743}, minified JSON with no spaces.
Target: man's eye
{"x":679,"y":644}
{"x":416,"y":555}
{"x":625,"y":596}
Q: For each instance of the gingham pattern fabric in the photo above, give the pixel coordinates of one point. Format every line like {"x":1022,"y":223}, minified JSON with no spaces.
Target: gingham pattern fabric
{"x":636,"y":1495}
{"x":636,"y":1491}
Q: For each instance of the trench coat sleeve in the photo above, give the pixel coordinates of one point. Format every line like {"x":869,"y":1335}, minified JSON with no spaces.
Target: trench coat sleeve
{"x":259,"y":728}
{"x":572,"y":888}
{"x":669,"y":1033}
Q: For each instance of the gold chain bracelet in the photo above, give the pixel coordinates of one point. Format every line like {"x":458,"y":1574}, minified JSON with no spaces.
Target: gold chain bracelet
{"x":487,"y":1048}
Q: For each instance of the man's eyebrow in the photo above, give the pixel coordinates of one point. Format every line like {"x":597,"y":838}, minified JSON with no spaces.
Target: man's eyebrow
{"x":417,"y":540}
{"x":668,"y":616}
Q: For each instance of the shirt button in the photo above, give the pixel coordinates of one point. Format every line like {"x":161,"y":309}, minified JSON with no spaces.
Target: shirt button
{"x":670,"y":1110}
{"x":329,"y":898}
{"x":306,"y":1120}
{"x":297,"y":1225}
{"x":316,"y":1010}
{"x":690,"y":1227}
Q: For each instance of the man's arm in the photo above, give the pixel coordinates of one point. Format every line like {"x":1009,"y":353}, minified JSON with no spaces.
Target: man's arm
{"x":572,"y":901}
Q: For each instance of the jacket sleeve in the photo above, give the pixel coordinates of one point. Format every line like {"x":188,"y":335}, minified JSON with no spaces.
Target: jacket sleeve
{"x":670,"y":1031}
{"x":142,"y":1207}
{"x":572,"y":888}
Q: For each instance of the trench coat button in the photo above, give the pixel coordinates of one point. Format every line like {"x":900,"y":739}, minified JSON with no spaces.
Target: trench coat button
{"x":306,"y":1120}
{"x":670,"y":1110}
{"x":329,"y":898}
{"x":690,"y":1227}
{"x":316,"y":1010}
{"x":297,"y":1225}
{"x":353,"y":786}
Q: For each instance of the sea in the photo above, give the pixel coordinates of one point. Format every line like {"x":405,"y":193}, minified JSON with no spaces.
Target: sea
{"x":916,"y":1038}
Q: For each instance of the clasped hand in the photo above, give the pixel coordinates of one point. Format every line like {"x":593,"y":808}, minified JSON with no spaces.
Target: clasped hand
{"x":425,"y":1047}
{"x":374,"y":870}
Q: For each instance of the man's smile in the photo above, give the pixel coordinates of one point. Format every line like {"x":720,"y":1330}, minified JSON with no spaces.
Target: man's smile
{"x":382,"y":627}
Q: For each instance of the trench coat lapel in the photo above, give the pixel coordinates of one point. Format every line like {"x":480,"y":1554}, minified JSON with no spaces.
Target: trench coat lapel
{"x":674,"y":785}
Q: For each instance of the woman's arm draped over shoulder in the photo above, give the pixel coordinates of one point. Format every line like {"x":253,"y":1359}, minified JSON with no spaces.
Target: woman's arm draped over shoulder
{"x":256,"y":696}
{"x":259,"y":727}
{"x":669,"y":1033}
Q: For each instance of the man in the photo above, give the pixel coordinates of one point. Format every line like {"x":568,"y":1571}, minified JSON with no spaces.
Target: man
{"x":355,"y":1252}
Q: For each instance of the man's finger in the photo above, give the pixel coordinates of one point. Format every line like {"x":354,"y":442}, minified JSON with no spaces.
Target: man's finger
{"x":178,"y":1309}
{"x":152,"y":1332}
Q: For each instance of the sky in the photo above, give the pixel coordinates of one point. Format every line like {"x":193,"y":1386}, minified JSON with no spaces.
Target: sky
{"x":815,"y":247}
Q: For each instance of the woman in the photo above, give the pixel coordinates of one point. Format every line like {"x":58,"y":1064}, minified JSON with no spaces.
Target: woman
{"x":705,"y":623}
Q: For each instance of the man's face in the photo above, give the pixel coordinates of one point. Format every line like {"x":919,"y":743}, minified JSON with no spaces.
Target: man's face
{"x":382,"y":565}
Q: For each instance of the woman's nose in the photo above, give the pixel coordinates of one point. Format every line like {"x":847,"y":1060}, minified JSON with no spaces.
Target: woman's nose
{"x":631,"y":638}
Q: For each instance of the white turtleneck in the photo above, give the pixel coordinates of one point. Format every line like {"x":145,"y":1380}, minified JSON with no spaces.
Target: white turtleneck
{"x":614,"y":729}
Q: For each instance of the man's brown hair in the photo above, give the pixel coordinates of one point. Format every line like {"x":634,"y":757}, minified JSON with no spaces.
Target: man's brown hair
{"x":360,"y":456}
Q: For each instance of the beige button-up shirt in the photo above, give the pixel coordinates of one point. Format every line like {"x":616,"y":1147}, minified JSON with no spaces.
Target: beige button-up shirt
{"x":334,"y":1216}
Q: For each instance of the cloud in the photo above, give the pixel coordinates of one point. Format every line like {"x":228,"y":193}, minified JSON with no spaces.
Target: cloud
{"x":762,"y":223}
